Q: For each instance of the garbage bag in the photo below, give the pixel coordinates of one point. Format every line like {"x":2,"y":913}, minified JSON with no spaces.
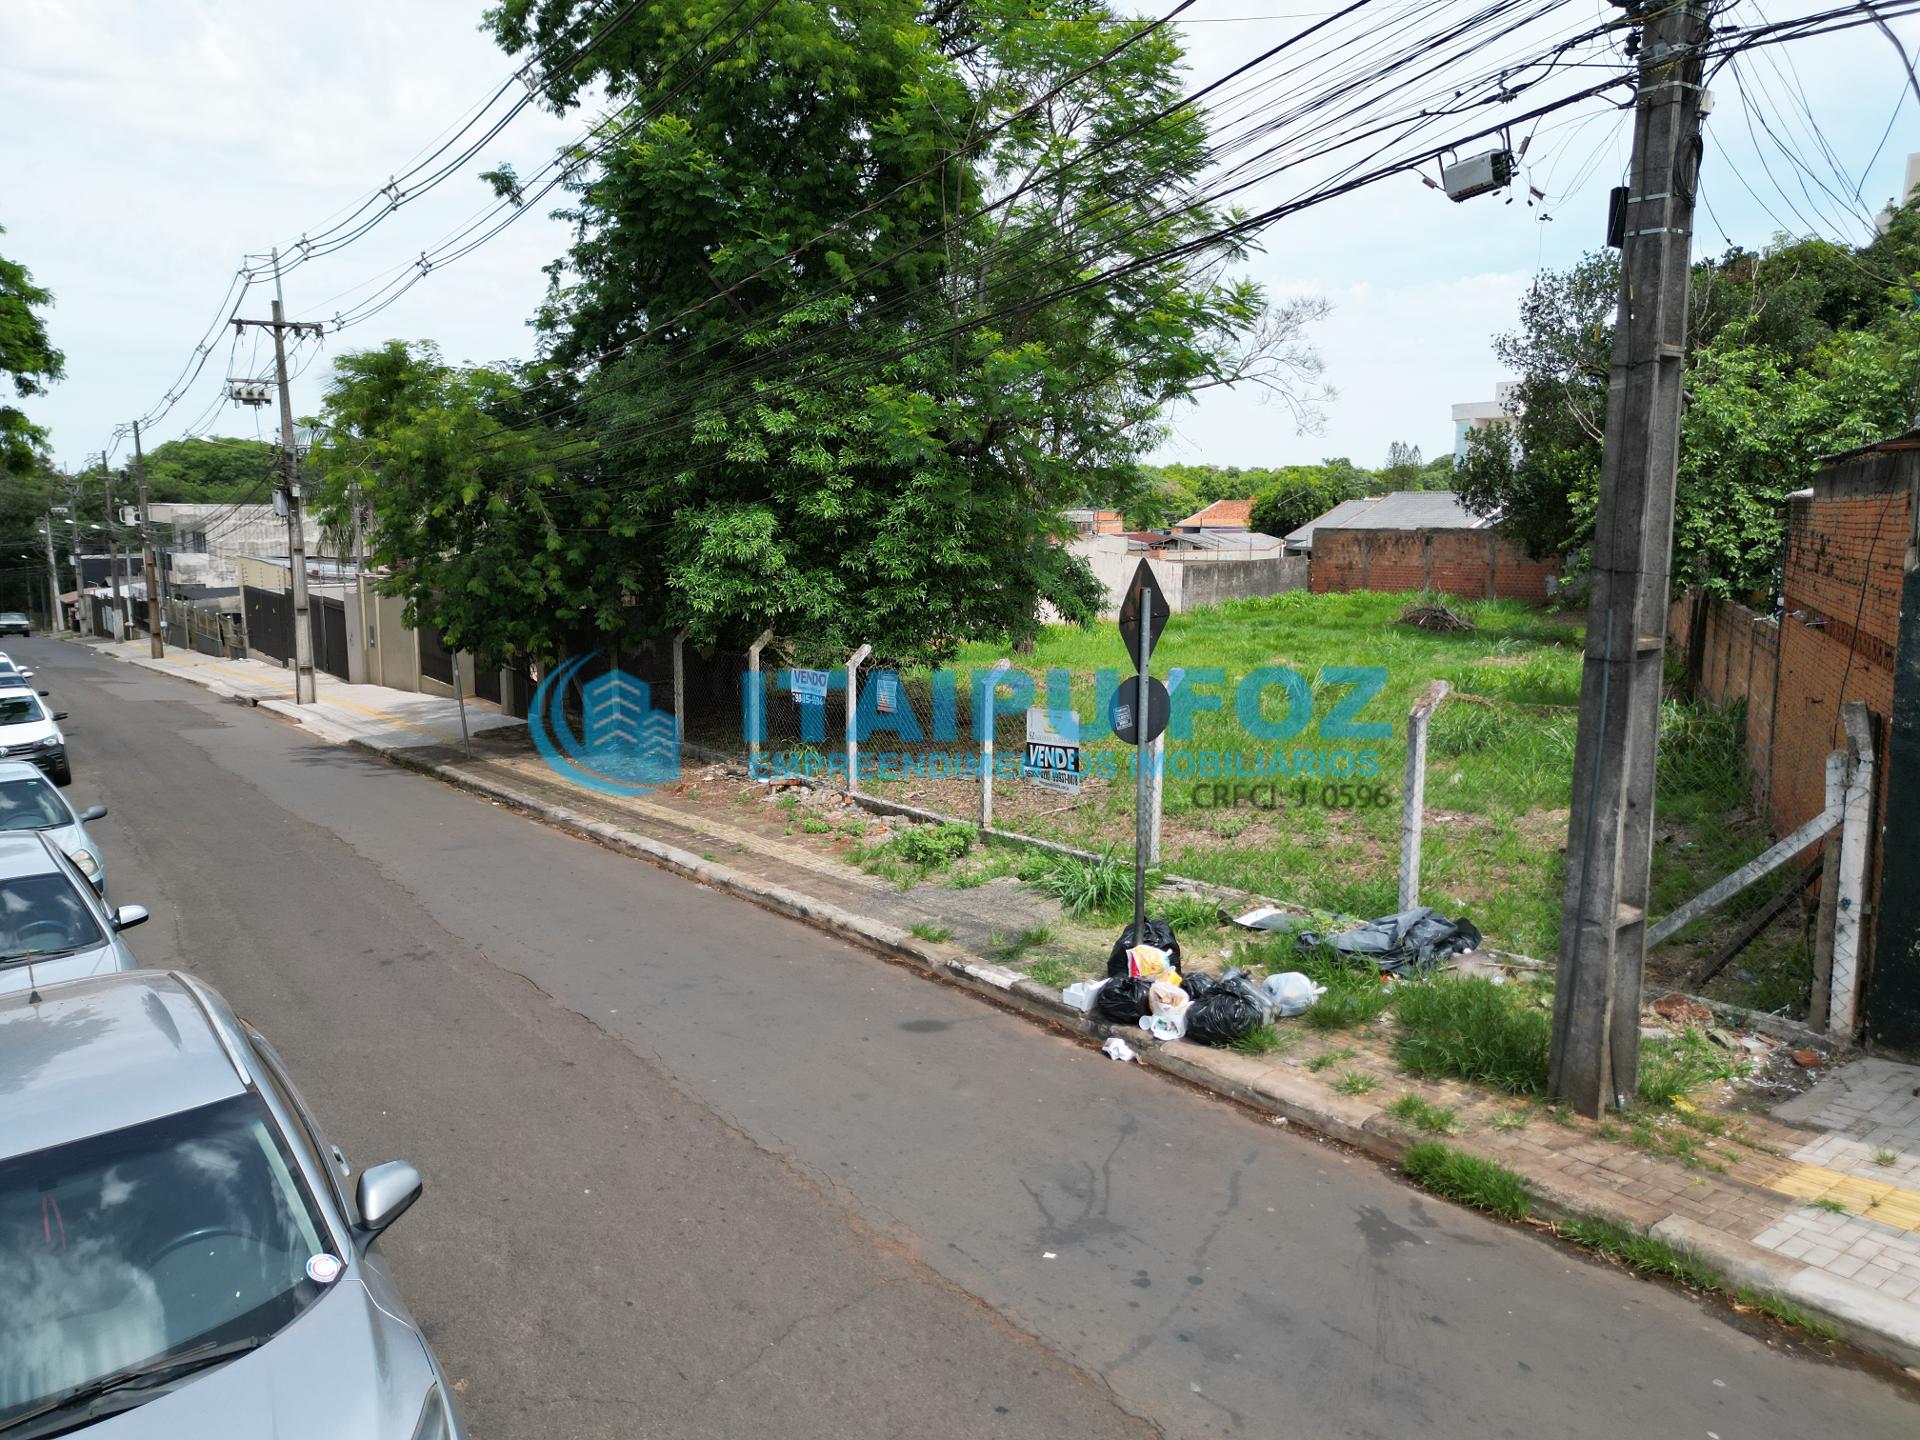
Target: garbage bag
{"x":1227,"y":1010}
{"x":1159,"y":934}
{"x":1411,"y":940}
{"x":1150,"y":962}
{"x":1122,"y":1001}
{"x":1291,"y":994}
{"x":1166,"y":997}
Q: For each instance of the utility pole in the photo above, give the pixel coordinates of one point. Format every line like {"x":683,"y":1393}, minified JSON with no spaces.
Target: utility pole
{"x":303,"y":684}
{"x":113,"y":550}
{"x":56,"y":618}
{"x":1603,"y":918}
{"x":80,"y":607}
{"x":155,"y":646}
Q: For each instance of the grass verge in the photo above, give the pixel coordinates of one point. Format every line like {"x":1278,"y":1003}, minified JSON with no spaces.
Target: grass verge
{"x":1484,"y":1184}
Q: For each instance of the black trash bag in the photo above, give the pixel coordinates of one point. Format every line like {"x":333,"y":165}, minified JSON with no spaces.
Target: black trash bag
{"x":1159,"y":934}
{"x":1225,"y":1010}
{"x":1122,"y":1001}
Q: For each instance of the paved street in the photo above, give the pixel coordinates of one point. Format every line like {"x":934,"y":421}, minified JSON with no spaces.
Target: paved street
{"x":693,"y":1170}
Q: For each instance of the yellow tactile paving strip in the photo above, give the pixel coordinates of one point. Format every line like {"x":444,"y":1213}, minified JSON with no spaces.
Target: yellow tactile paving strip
{"x":1870,"y":1199}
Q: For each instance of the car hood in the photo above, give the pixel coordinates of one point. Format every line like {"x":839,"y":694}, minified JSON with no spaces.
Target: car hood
{"x":100,"y":960}
{"x":344,"y":1368}
{"x":28,"y":733}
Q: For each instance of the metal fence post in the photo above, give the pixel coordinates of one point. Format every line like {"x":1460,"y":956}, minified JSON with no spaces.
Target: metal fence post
{"x":984,"y":719}
{"x":853,"y":717}
{"x":754,"y":711}
{"x":1413,"y":803}
{"x":1856,"y":825}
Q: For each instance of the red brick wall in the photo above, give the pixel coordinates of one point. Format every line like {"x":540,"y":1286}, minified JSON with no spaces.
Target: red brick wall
{"x":1740,"y":660}
{"x":1846,"y":556}
{"x":1475,"y":563}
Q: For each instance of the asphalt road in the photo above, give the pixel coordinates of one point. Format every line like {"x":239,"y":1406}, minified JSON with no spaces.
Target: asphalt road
{"x":695,"y":1170}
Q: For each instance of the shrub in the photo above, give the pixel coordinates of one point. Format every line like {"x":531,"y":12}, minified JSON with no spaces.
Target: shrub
{"x":1088,"y":887}
{"x":931,"y":847}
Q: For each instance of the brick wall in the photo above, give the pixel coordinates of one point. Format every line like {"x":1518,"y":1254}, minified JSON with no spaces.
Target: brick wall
{"x":1475,"y":563}
{"x":1739,"y":661}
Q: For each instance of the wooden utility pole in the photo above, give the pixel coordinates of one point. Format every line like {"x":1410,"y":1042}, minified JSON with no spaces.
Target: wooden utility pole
{"x":303,"y":684}
{"x":113,"y":550}
{"x":1603,"y":917}
{"x":155,"y":646}
{"x":56,"y":613}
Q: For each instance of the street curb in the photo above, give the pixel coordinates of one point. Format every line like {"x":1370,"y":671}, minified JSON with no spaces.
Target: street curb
{"x":1860,"y":1315}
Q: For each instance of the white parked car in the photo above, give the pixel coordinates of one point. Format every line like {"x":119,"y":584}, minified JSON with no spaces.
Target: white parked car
{"x":30,"y":731}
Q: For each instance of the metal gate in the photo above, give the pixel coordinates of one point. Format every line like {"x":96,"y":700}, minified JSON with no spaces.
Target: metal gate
{"x":435,"y":662}
{"x":327,"y":621}
{"x":269,"y":622}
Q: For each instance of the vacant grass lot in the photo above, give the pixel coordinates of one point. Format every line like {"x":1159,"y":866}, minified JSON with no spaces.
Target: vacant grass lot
{"x":1500,"y":762}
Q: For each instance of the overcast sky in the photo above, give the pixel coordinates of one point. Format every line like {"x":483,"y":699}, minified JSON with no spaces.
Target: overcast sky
{"x":153,"y":146}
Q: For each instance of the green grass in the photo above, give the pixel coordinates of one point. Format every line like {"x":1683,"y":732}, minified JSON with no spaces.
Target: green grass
{"x":1884,"y":1157}
{"x":813,"y":825}
{"x":1785,"y":1311}
{"x":1354,"y":1082}
{"x":1485,"y":1184}
{"x":1264,"y":1040}
{"x":1508,"y":1121}
{"x":1411,"y":1109}
{"x":1007,"y":949}
{"x":1832,"y":1207}
{"x":1054,"y":971}
{"x":933,"y":847}
{"x":1672,"y":1070}
{"x":1088,"y":888}
{"x":1355,"y":994}
{"x":934,"y":934}
{"x":1187,"y":914}
{"x":1328,"y":1058}
{"x":1471,"y":1028}
{"x":1643,"y":1252}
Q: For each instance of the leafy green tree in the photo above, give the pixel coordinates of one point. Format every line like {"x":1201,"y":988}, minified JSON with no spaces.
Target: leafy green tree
{"x":27,"y":359}
{"x":1298,"y":494}
{"x":219,"y":471}
{"x":477,"y":532}
{"x":869,"y":437}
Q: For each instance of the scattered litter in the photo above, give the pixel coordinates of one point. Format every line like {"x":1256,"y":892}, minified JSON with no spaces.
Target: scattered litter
{"x":1808,"y":1059}
{"x":1122,"y":1001}
{"x":1080,"y":994}
{"x":1150,"y":962}
{"x":1167,"y":1027}
{"x":1118,"y":1049}
{"x":1158,"y":935}
{"x":1166,"y":1017}
{"x":1278,"y":1120}
{"x":1681,"y":1011}
{"x":1048,"y":1255}
{"x":1291,"y":994}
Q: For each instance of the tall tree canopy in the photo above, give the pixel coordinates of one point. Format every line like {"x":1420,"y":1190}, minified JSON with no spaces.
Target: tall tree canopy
{"x":859,"y":297}
{"x":28,"y":362}
{"x":219,"y":471}
{"x":1809,"y":348}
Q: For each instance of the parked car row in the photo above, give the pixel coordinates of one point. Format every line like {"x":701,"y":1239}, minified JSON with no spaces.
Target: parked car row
{"x":28,"y":729}
{"x":181,"y":1250}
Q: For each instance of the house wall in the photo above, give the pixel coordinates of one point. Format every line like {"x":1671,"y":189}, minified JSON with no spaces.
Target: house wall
{"x":1739,"y":662}
{"x":1477,"y":563}
{"x":1189,"y":584}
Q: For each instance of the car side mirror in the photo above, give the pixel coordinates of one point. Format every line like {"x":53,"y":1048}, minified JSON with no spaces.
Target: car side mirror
{"x":93,"y":812}
{"x":128,"y":916}
{"x":59,"y":715}
{"x":385,"y":1193}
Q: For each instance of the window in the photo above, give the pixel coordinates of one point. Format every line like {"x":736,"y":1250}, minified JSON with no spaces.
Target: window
{"x":125,"y":1248}
{"x":31,"y":804}
{"x":20,"y":709}
{"x":42,"y":916}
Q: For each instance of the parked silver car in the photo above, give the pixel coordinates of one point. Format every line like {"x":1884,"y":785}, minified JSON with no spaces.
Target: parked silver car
{"x":178,"y":1256}
{"x":30,"y":801}
{"x":53,"y":927}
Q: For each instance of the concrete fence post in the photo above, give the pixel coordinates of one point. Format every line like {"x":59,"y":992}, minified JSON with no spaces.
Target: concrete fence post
{"x":680,"y":693}
{"x":1156,"y":796}
{"x":1829,"y":912}
{"x":854,"y":662}
{"x":983,"y":719}
{"x":754,"y":710}
{"x":1856,"y":837}
{"x":1414,"y":801}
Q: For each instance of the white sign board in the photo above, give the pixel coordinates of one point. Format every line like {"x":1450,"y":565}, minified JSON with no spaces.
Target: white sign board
{"x":886,"y":692}
{"x":1052,"y":760}
{"x":809,"y":687}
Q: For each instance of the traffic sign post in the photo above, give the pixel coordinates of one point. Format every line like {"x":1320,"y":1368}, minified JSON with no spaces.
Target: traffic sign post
{"x":1140,"y":710}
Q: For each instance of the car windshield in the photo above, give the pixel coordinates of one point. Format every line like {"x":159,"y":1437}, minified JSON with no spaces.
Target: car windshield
{"x":13,"y":617}
{"x":42,"y":915}
{"x":31,"y":803}
{"x":19,"y":709}
{"x":125,"y":1248}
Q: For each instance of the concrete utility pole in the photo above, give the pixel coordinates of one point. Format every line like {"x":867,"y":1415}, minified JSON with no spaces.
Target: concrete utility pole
{"x":113,"y":550}
{"x":1603,"y":917}
{"x":303,"y":685}
{"x":154,"y":645}
{"x":73,"y":557}
{"x":56,"y":617}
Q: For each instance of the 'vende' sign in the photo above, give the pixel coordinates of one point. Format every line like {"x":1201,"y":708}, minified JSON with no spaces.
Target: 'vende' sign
{"x":1053,"y":752}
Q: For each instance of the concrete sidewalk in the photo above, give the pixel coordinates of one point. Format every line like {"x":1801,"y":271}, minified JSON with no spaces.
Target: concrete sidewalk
{"x":1805,"y":1193}
{"x":373,"y":715}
